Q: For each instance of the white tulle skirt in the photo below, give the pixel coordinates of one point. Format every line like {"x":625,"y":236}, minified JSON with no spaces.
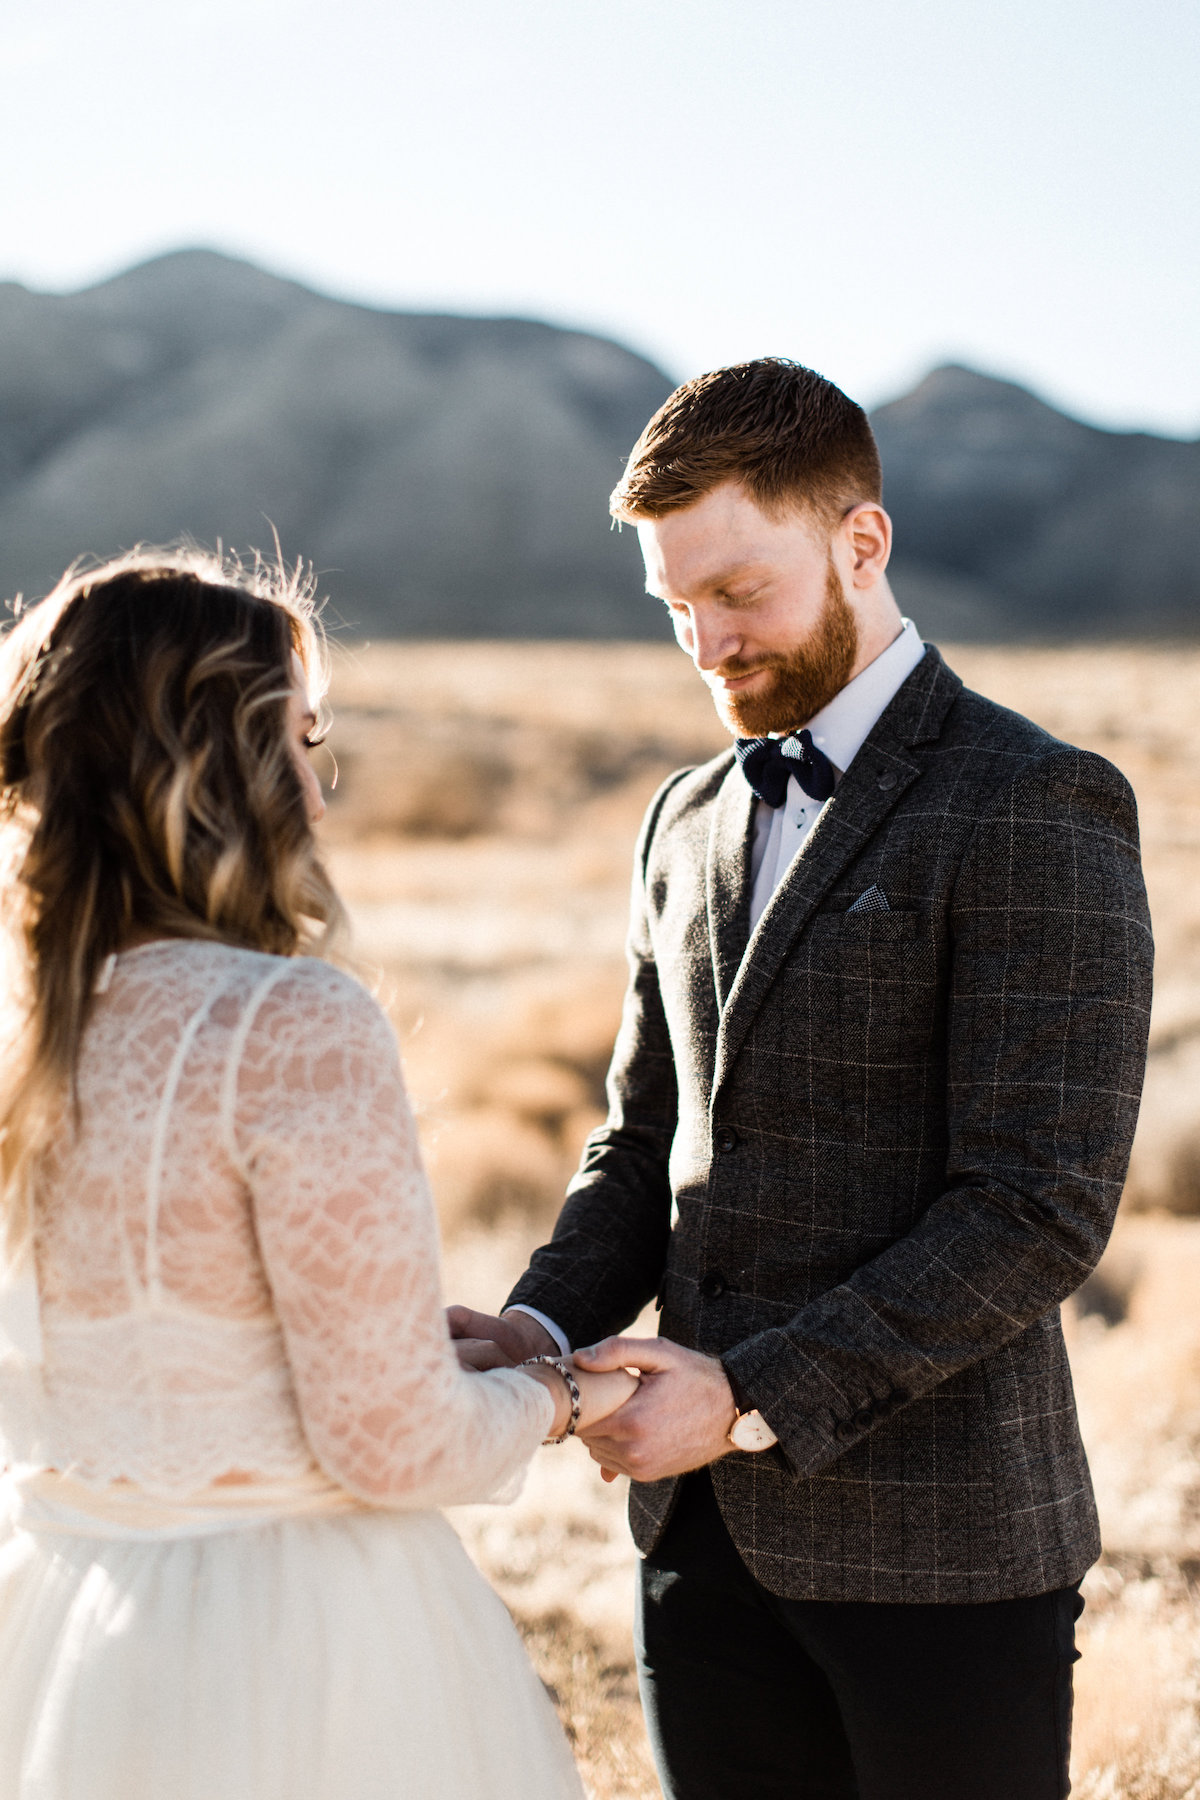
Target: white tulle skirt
{"x":316,"y":1651}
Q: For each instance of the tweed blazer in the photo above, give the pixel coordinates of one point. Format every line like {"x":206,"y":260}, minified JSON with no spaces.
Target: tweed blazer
{"x":862,"y":1156}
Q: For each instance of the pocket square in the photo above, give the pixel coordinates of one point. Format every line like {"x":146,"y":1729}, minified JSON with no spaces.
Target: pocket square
{"x":873,"y":901}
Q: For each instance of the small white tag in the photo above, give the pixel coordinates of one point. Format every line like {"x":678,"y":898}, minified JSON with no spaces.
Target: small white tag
{"x":21,"y":1314}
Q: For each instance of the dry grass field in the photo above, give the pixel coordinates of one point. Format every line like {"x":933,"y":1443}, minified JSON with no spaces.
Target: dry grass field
{"x":481,"y":831}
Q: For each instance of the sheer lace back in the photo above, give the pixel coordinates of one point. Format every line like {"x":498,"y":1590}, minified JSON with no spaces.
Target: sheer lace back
{"x":237,"y":1257}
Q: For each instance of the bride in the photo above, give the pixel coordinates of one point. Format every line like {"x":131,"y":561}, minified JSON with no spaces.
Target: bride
{"x":229,"y":1405}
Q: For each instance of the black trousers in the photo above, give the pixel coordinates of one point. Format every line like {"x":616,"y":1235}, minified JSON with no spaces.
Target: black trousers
{"x":752,"y":1697}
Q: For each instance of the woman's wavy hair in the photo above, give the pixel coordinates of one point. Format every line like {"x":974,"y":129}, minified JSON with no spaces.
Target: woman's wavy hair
{"x":147,"y":785}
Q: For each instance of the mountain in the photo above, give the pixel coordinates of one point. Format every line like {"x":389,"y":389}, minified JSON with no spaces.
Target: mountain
{"x":448,"y":476}
{"x":1014,"y":521}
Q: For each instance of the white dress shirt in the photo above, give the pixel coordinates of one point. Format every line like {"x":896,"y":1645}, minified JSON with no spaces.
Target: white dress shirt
{"x":840,"y":730}
{"x":780,"y":832}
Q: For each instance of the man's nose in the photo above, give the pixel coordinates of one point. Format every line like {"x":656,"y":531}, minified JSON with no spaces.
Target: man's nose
{"x":712,"y":639}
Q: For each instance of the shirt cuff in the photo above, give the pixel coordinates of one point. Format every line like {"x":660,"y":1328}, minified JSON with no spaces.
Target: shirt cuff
{"x":564,"y":1348}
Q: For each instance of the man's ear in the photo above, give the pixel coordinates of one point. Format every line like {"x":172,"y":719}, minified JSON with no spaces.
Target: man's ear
{"x":866,"y":532}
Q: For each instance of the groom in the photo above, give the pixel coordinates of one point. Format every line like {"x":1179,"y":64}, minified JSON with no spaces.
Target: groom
{"x":870,"y":1112}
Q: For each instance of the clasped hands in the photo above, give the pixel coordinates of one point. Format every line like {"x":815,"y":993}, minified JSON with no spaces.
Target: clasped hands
{"x":677,"y":1419}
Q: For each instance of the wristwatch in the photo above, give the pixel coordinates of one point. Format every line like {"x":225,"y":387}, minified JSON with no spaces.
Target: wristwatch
{"x":750,"y":1431}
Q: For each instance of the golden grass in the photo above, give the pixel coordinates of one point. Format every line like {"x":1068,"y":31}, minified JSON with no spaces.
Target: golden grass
{"x":1138,"y":1379}
{"x":482,"y":833}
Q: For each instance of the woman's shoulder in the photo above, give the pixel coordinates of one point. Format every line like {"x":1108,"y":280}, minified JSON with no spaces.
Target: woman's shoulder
{"x":299,"y":1026}
{"x":258,"y":991}
{"x":307,"y":996}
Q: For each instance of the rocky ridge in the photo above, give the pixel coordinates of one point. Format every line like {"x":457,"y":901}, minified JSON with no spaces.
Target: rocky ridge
{"x":447,"y":476}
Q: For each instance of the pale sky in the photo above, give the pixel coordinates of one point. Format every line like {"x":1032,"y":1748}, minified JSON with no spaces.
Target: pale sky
{"x":871,"y":187}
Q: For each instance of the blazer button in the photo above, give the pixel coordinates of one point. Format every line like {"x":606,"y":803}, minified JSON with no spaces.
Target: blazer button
{"x":727,"y":1139}
{"x":864,"y":1417}
{"x":714,"y":1285}
{"x":887,"y":781}
{"x":843,"y":1431}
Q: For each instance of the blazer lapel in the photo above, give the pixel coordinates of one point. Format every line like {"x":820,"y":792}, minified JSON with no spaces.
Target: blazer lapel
{"x":727,"y":877}
{"x":880,"y":774}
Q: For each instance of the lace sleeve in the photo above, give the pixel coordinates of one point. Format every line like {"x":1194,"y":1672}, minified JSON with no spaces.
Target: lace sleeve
{"x":320,"y":1127}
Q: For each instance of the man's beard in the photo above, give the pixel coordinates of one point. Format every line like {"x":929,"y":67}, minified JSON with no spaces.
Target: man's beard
{"x":801,"y":681}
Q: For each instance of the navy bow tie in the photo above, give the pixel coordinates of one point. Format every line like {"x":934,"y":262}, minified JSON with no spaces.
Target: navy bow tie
{"x":767,"y":763}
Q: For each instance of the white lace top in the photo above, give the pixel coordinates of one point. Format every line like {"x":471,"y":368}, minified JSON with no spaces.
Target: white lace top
{"x":237,"y":1253}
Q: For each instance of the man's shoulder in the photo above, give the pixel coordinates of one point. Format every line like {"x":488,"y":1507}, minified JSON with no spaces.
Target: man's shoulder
{"x":982,"y":725}
{"x":991,"y":747}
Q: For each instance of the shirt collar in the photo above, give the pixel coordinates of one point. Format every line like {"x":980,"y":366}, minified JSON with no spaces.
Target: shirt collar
{"x":841,"y":728}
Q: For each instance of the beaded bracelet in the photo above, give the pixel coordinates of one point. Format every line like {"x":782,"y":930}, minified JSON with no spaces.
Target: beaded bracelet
{"x":564,"y":1369}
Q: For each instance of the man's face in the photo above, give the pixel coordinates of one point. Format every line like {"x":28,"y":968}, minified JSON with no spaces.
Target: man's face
{"x":759,"y":605}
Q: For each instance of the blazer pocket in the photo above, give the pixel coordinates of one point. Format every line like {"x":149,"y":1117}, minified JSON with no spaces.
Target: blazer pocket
{"x":872,"y":987}
{"x":837,"y":937}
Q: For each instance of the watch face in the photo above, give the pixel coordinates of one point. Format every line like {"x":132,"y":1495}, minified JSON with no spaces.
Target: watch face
{"x":751,"y":1432}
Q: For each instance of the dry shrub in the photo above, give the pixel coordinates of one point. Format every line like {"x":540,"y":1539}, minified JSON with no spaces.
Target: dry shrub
{"x":397,"y":780}
{"x":437,"y":758}
{"x":1136,"y":1734}
{"x":1108,"y":1291}
{"x":1164,"y":1172}
{"x":596,"y":1694}
{"x":1183,"y":1179}
{"x":507,"y":1097}
{"x":538,"y":1040}
{"x":538,"y":1089}
{"x":488,"y":1163}
{"x":1138,"y":1385}
{"x":644,"y":691}
{"x":578,"y":1026}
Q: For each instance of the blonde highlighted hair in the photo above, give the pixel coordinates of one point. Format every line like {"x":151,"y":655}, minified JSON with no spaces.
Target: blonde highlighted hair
{"x":147,"y":788}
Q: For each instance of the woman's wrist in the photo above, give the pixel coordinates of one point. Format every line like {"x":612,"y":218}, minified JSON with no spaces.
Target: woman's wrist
{"x":588,"y":1397}
{"x":603,"y":1394}
{"x":547,"y":1373}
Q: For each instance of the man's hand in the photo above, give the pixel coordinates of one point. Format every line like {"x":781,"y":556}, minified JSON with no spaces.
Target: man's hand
{"x":483,"y":1342}
{"x":679,"y":1419}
